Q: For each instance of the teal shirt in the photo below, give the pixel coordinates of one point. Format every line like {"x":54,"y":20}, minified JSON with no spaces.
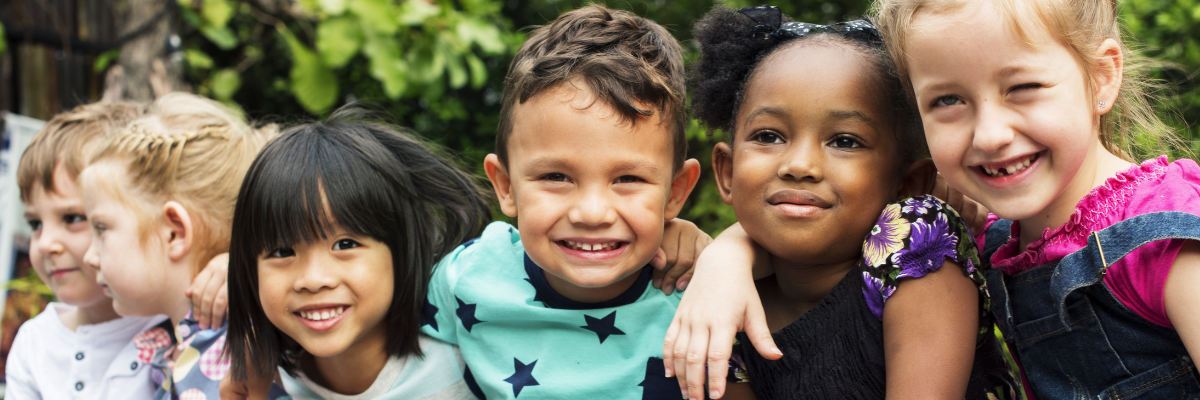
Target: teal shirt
{"x":521,"y":339}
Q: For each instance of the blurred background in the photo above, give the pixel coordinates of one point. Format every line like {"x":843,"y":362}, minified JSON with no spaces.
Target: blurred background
{"x":434,"y":65}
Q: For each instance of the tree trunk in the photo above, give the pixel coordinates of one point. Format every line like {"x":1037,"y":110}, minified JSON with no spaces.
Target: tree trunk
{"x":138,"y":55}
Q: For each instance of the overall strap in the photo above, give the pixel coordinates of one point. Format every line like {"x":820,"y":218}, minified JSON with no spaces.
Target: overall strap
{"x":1105,"y":247}
{"x":996,"y":235}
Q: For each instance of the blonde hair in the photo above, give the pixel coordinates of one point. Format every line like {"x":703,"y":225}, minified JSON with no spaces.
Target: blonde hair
{"x":191,"y":150}
{"x":1132,"y":129}
{"x":66,"y":139}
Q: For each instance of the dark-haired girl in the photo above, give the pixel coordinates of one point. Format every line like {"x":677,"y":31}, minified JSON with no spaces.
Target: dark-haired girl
{"x":337,"y":227}
{"x":874,"y":293}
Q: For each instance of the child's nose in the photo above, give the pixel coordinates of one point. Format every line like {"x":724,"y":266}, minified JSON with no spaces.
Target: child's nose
{"x":92,"y":257}
{"x":48,"y":241}
{"x":592,"y":208}
{"x":992,"y":130}
{"x":315,"y":275}
{"x":804,"y":161}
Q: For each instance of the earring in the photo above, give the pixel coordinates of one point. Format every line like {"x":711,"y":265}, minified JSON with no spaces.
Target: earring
{"x":1101,"y":105}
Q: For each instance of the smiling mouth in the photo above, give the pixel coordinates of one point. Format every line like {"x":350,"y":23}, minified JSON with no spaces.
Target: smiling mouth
{"x":58,"y":273}
{"x":324,"y":314}
{"x":591,"y":247}
{"x":1012,"y":168}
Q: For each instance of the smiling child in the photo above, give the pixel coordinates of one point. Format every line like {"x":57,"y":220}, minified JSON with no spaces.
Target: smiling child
{"x":590,"y":160}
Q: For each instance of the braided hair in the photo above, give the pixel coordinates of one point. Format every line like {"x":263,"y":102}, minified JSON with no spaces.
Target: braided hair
{"x":732,"y":46}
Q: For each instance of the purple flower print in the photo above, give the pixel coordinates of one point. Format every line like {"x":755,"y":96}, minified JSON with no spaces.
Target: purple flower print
{"x":886,"y":237}
{"x":876,"y":293}
{"x":928,"y":248}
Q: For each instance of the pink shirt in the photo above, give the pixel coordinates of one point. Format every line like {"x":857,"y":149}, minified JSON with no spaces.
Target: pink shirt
{"x":1137,"y":280}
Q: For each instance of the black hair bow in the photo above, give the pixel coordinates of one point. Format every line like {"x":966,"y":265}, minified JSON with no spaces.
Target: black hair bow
{"x":770,"y":21}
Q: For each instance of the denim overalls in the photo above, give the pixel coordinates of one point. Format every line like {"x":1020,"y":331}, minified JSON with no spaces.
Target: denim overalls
{"x":1073,"y":338}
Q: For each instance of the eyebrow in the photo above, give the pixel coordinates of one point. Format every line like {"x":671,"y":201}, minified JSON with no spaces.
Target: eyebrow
{"x":775,"y":111}
{"x":852,"y":114}
{"x":550,"y":163}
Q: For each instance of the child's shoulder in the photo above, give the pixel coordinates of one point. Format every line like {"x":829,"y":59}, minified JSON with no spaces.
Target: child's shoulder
{"x":1161,"y":186}
{"x":499,"y":241}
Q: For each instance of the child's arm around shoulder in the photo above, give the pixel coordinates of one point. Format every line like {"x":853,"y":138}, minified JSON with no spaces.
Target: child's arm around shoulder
{"x":1181,"y":294}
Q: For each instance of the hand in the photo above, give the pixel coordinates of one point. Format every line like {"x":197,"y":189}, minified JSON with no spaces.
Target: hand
{"x":210,"y":298}
{"x":974,"y":213}
{"x":255,"y":388}
{"x":722,"y":302}
{"x":682,"y":242}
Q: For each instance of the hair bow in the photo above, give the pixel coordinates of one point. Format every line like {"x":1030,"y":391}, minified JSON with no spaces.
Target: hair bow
{"x":770,"y":21}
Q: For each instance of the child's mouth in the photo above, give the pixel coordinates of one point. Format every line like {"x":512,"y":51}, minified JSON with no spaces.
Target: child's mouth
{"x":1011,"y":168}
{"x":320,"y":319}
{"x":591,"y":247}
{"x":596,"y":251}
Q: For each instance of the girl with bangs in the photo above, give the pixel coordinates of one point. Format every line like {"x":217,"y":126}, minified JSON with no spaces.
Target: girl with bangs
{"x":336,"y":231}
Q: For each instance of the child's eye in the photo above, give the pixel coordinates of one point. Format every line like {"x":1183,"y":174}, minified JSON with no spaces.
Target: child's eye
{"x":845,"y":142}
{"x":555,"y":176}
{"x":767,"y":137}
{"x":99,"y":228}
{"x":629,"y":179}
{"x":1025,"y":86}
{"x":945,"y":101}
{"x":345,"y":244}
{"x":71,"y":219}
{"x":282,"y":252}
{"x":35,"y":224}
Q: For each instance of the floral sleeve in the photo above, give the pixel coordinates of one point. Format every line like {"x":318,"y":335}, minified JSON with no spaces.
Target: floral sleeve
{"x":912,"y":238}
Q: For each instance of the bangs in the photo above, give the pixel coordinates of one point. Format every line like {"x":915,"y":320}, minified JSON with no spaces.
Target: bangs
{"x":307,"y":185}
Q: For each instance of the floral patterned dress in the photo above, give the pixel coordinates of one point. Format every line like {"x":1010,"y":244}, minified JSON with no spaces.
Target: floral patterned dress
{"x":835,"y":350}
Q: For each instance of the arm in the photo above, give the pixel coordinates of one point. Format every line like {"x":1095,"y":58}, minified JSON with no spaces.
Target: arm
{"x":723,"y":301}
{"x":929,"y":330}
{"x":1181,"y":294}
{"x":682,"y":242}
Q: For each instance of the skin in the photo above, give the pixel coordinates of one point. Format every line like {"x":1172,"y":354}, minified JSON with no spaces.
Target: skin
{"x":61,"y":236}
{"x":978,"y":112}
{"x":588,"y":177}
{"x":342,"y":270}
{"x":822,"y":128}
{"x":144,"y":278}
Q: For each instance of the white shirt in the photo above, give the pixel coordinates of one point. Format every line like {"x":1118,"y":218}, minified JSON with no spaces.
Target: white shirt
{"x":436,"y":376}
{"x":49,"y":361}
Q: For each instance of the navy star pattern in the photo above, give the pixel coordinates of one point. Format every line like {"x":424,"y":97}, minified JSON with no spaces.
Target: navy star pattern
{"x":429,"y":315}
{"x":656,"y":385}
{"x":466,"y":314}
{"x":537,"y":294}
{"x":523,"y":376}
{"x":603,"y":327}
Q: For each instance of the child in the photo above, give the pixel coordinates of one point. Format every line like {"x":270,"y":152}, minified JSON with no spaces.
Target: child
{"x":337,"y":227}
{"x":590,"y":160}
{"x":822,"y":144}
{"x":159,"y":196}
{"x":1033,"y":111}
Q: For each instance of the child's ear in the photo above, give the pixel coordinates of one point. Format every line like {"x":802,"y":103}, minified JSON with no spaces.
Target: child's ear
{"x":1110,"y":64}
{"x":681,"y":187}
{"x":179,"y":230}
{"x":722,"y":160}
{"x":501,"y":183}
{"x":918,"y":179}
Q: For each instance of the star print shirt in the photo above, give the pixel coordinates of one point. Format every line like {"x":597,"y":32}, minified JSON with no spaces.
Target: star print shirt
{"x":523,"y":340}
{"x":836,"y":349}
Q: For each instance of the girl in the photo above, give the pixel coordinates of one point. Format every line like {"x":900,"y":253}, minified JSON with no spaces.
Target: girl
{"x":1034,"y":113}
{"x":159,"y":196}
{"x":337,"y":228}
{"x":822,"y":144}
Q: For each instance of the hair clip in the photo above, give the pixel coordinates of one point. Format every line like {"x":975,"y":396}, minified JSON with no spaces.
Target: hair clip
{"x":770,"y":20}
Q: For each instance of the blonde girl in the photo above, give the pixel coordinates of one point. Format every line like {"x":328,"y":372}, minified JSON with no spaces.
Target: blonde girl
{"x":159,"y":196}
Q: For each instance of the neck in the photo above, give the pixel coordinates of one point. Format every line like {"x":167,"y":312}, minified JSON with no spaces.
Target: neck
{"x":175,"y":303}
{"x":591,"y":295}
{"x":801,"y":286}
{"x":101,"y":311}
{"x":1098,"y":166}
{"x":352,"y":371}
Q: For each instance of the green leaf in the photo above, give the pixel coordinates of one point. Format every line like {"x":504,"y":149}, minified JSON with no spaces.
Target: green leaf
{"x":338,"y":40}
{"x":196,"y":58}
{"x":386,"y":65}
{"x":333,"y":7}
{"x":428,"y":62}
{"x":415,"y":12}
{"x":223,"y":37}
{"x":482,"y":33}
{"x":225,"y":83}
{"x":217,"y":12}
{"x":458,"y":74}
{"x":376,"y":15}
{"x":102,"y":61}
{"x":312,"y":82}
{"x":3,"y":40}
{"x":478,"y":71}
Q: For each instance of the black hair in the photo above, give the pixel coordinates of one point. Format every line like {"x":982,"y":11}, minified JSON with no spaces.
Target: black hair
{"x":732,"y":46}
{"x":367,"y":178}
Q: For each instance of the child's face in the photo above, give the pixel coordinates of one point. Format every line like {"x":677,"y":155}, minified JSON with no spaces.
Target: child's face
{"x":61,"y":236}
{"x":130,"y":271}
{"x":591,"y":193}
{"x":330,"y":294}
{"x":1008,"y":123}
{"x":814,"y":157}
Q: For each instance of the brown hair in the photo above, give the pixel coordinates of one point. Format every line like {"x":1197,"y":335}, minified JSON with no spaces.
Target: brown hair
{"x":187,"y":149}
{"x":625,"y":59}
{"x":66,"y":139}
{"x":1079,"y":25}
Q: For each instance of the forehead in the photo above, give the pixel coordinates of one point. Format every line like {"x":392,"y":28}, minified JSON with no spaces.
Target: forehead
{"x":569,"y":123}
{"x":816,"y":79}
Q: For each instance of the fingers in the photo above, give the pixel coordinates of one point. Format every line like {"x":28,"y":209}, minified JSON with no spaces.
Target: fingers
{"x":659,"y":263}
{"x":233,"y":390}
{"x":669,"y":347}
{"x":759,"y":333}
{"x":220,"y":305}
{"x":204,"y":290}
{"x":679,"y":358}
{"x":720,"y":347}
{"x":697,"y":359}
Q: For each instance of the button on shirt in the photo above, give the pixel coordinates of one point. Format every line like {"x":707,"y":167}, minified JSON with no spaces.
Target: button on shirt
{"x":49,"y":361}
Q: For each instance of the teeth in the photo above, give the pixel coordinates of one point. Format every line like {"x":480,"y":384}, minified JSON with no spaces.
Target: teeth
{"x":1010,"y":169}
{"x":322,"y":315}
{"x":590,"y":247}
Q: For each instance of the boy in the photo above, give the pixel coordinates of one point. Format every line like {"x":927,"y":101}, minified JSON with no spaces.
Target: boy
{"x":590,"y":159}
